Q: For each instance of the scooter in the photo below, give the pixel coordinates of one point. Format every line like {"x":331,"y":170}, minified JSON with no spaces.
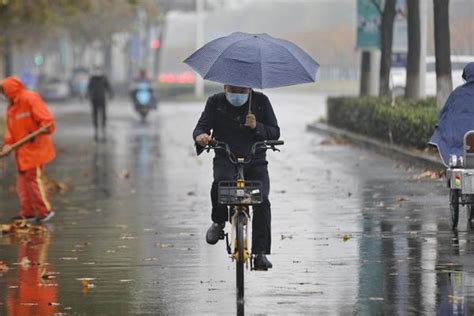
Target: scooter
{"x":144,"y":99}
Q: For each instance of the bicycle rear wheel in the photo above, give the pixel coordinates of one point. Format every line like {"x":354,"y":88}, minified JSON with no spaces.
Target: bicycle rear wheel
{"x":240,"y":256}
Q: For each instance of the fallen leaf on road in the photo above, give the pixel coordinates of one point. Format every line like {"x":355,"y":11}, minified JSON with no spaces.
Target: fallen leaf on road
{"x":430,"y":174}
{"x":402,"y":199}
{"x":337,"y":140}
{"x":3,"y":267}
{"x":345,"y":237}
{"x":286,"y":236}
{"x":5,"y":229}
{"x":126,"y":280}
{"x":58,"y":186}
{"x":124,"y":174}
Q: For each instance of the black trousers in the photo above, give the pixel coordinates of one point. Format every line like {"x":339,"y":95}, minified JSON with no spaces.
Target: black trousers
{"x":99,"y":109}
{"x":261,"y":222}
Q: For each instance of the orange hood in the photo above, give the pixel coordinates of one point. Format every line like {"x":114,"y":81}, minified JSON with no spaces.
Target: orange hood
{"x":12,"y":86}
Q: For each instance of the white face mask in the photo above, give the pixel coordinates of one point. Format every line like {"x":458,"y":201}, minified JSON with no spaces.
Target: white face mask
{"x":237,"y":99}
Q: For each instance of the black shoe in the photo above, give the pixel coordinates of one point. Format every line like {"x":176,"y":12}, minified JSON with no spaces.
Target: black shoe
{"x":214,"y":233}
{"x":29,"y":219}
{"x":260,"y":262}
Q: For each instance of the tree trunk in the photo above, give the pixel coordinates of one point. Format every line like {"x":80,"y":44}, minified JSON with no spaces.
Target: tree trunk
{"x":388,"y":18}
{"x":107,"y":53}
{"x":444,"y":84}
{"x":7,"y":55}
{"x":365,"y":74}
{"x":412,"y":88}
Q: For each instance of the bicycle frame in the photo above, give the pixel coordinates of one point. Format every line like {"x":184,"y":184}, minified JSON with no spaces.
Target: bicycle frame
{"x":239,"y":195}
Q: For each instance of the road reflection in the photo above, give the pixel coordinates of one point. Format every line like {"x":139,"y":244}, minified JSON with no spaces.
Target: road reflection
{"x":34,"y":291}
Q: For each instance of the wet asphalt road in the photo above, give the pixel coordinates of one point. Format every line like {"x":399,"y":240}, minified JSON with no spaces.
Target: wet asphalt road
{"x":354,"y":233}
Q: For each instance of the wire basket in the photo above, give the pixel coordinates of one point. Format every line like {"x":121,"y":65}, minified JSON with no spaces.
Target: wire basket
{"x":249,"y":194}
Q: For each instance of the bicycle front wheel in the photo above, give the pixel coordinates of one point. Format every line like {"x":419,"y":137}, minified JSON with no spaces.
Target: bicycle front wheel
{"x":240,"y":256}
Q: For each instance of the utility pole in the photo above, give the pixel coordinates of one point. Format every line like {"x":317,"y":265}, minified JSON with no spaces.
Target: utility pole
{"x":199,"y":87}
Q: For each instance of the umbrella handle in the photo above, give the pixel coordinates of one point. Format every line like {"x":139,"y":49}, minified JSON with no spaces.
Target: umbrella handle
{"x":250,"y":102}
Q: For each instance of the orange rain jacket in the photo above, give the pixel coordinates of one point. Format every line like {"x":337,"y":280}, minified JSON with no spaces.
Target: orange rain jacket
{"x":27,"y":113}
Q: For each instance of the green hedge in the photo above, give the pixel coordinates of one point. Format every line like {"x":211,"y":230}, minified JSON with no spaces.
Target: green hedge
{"x":410,"y":122}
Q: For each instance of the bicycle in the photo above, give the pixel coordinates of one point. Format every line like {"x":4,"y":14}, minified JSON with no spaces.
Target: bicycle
{"x":238,"y":196}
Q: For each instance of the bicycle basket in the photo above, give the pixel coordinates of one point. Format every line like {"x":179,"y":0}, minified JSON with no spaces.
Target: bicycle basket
{"x":230,"y":194}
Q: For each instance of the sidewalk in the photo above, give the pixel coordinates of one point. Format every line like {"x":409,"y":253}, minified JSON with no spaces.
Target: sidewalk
{"x":411,"y":156}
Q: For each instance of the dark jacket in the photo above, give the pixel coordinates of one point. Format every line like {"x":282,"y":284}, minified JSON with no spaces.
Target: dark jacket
{"x":227,"y":124}
{"x":98,"y":87}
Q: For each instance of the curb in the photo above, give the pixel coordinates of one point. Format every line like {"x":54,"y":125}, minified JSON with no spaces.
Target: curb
{"x":418,"y":159}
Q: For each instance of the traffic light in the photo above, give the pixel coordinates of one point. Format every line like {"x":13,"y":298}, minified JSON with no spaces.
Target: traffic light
{"x":155,"y":44}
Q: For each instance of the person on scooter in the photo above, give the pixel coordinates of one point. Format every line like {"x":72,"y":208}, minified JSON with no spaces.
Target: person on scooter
{"x":228,"y":118}
{"x":142,"y":92}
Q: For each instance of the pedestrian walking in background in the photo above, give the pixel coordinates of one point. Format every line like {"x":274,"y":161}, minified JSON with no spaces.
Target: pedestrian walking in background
{"x":26,"y":114}
{"x":97,"y":90}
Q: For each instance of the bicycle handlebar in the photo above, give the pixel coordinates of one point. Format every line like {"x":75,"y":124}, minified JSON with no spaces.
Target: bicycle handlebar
{"x":263,"y":145}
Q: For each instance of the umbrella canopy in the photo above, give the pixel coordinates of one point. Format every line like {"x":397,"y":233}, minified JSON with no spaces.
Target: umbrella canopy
{"x":253,"y":61}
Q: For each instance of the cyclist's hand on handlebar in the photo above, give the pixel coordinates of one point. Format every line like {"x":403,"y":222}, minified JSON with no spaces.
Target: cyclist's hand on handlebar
{"x":251,"y":121}
{"x":203,"y":140}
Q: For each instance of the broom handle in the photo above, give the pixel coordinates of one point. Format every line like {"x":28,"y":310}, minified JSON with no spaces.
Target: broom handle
{"x":28,"y":137}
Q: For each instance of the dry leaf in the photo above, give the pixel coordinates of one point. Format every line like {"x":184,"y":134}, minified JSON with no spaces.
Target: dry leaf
{"x":402,"y":199}
{"x":3,"y":267}
{"x":5,"y":229}
{"x":430,"y":174}
{"x":59,"y":186}
{"x":337,"y":140}
{"x":345,"y":237}
{"x":124,"y":174}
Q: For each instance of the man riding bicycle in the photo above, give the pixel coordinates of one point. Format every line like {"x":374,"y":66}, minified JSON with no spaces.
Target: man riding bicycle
{"x":227,"y":115}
